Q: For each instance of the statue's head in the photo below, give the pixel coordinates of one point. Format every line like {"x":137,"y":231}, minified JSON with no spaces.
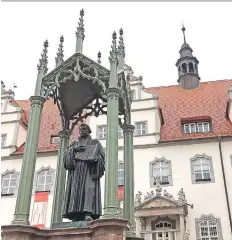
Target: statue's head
{"x":84,"y":130}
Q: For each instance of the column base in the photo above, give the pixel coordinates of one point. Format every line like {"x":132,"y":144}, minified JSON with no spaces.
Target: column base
{"x":101,"y":229}
{"x":21,"y":219}
{"x":130,"y":235}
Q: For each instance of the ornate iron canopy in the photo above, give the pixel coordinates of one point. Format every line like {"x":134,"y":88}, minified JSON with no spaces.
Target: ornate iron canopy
{"x":78,"y":87}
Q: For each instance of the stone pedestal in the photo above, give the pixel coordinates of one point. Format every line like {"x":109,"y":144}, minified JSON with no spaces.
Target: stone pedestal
{"x":101,"y":229}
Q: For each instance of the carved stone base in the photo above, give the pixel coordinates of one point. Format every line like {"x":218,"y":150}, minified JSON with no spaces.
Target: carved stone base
{"x":101,"y":229}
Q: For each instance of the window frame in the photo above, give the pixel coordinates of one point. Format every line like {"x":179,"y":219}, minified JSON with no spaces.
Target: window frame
{"x":9,"y":172}
{"x":196,"y":127}
{"x":146,"y":128}
{"x":120,"y":132}
{"x":98,"y":131}
{"x":121,"y":168}
{"x":36,"y":179}
{"x":152,"y":177}
{"x":196,"y":158}
{"x":3,"y":134}
{"x":55,"y":137}
{"x":208,"y":218}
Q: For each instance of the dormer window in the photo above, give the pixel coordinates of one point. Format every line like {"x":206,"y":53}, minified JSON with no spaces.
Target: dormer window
{"x":200,"y":125}
{"x":55,"y":139}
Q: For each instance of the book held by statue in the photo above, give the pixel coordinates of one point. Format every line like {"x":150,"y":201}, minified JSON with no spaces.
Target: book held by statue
{"x":89,"y":154}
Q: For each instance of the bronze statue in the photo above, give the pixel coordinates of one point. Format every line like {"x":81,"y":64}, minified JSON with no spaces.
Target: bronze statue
{"x":85,"y":162}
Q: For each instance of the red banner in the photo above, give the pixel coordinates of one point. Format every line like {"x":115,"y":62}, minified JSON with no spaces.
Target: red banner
{"x":120,"y":192}
{"x":39,"y":210}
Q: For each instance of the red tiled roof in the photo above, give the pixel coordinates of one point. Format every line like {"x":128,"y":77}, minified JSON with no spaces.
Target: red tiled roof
{"x":50,"y":126}
{"x":210,"y":99}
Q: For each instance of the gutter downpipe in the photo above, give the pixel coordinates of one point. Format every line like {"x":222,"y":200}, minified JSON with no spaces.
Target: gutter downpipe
{"x":225,"y":186}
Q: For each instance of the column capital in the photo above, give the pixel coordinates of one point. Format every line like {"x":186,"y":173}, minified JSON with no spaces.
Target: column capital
{"x":113,"y":92}
{"x":128,"y":128}
{"x":64,"y":134}
{"x":39,"y":100}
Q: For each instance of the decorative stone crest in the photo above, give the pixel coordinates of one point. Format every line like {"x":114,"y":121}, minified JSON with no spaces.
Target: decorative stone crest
{"x":158,"y":188}
{"x":167,"y":194}
{"x":149,"y":195}
{"x":138,"y":198}
{"x":181,"y":195}
{"x":186,"y":235}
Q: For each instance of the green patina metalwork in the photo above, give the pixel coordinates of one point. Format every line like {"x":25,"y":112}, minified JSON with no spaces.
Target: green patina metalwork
{"x":60,"y":179}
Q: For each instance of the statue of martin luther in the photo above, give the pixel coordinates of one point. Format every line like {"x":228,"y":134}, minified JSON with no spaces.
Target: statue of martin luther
{"x":85,"y":162}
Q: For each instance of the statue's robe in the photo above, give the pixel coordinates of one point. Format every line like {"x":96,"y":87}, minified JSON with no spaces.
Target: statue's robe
{"x":83,"y":191}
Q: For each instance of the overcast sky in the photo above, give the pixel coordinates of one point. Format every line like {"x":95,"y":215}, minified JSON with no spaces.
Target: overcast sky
{"x":152,"y":38}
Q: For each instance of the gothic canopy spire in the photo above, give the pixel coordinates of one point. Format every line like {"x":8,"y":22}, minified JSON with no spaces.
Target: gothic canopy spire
{"x":113,"y":52}
{"x":43,"y":61}
{"x":60,"y":54}
{"x":80,"y":33}
{"x":121,"y":47}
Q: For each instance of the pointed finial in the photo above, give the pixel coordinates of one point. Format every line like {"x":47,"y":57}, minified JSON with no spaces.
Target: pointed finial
{"x":113,"y":52}
{"x":80,"y":33}
{"x":2,"y":84}
{"x":183,"y":30}
{"x":99,"y":57}
{"x":43,"y":61}
{"x":60,"y":54}
{"x":121,"y":48}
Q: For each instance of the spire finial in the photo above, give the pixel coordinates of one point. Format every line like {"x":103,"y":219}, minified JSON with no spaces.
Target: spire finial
{"x":113,"y":52}
{"x":183,"y":30}
{"x":121,"y":47}
{"x":80,"y":33}
{"x":60,"y":54}
{"x":99,"y":57}
{"x":43,"y":61}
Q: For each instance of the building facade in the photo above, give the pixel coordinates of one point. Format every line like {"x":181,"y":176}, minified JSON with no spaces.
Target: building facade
{"x":182,"y":155}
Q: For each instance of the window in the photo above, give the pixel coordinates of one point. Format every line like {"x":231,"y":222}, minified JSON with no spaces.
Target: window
{"x":55,"y":139}
{"x":202,"y":169}
{"x":196,"y":127}
{"x":140,"y":128}
{"x":163,"y":224}
{"x":121,"y":174}
{"x":191,"y":69}
{"x":160,"y":169}
{"x":101,"y":131}
{"x":3,"y":140}
{"x":208,"y":228}
{"x":44,"y":179}
{"x":120,"y":132}
{"x":9,"y":183}
{"x":133,"y":94}
{"x":184,"y":68}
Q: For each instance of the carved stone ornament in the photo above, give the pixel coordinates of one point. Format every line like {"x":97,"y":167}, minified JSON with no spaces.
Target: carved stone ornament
{"x":181,"y":195}
{"x":138,"y":198}
{"x":186,"y":235}
{"x":158,"y":188}
{"x":166,"y":194}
